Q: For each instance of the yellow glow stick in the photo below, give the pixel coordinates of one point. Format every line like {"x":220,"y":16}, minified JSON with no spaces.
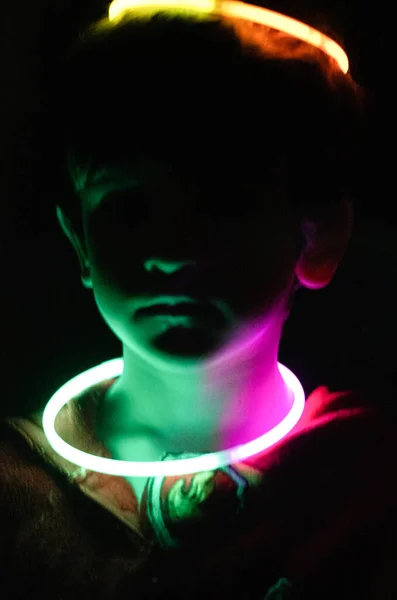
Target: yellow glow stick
{"x":248,"y":12}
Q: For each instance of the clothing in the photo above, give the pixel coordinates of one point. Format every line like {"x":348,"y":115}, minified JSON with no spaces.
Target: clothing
{"x":313,"y":517}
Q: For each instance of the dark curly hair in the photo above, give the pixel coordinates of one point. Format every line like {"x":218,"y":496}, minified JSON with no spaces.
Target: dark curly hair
{"x":207,"y":92}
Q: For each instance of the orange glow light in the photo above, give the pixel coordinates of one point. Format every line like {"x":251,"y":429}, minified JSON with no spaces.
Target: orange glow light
{"x":240,"y":10}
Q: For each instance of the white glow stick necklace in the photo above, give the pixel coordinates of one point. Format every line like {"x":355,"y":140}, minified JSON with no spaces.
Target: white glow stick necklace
{"x":205,"y":462}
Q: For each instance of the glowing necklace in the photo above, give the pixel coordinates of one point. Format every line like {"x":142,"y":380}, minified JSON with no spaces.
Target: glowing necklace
{"x":205,"y":462}
{"x":247,"y":12}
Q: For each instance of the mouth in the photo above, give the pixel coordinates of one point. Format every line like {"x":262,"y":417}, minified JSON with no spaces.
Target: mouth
{"x":171,"y":307}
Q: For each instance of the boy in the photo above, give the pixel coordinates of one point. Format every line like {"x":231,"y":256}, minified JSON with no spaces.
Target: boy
{"x":212,"y":164}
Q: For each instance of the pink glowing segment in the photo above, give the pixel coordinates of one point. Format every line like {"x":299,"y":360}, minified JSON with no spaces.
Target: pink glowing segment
{"x":205,"y":462}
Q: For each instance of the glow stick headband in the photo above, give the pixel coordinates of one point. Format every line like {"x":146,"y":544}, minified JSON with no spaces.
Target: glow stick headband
{"x":247,"y":12}
{"x":205,"y":462}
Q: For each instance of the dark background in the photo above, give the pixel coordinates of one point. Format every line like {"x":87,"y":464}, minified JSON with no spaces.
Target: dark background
{"x":342,"y":336}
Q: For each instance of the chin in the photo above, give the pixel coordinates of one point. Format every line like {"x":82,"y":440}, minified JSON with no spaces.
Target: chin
{"x":187,"y":343}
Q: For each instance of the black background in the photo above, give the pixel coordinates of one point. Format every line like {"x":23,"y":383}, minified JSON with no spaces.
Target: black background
{"x":342,"y":336}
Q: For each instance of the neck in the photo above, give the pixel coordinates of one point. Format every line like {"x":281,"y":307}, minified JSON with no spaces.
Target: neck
{"x":229,"y":401}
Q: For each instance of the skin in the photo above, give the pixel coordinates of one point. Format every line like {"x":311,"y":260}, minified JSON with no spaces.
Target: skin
{"x":192,"y":384}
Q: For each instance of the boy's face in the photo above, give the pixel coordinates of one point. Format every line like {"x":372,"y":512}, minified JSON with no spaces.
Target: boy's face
{"x":221,"y":238}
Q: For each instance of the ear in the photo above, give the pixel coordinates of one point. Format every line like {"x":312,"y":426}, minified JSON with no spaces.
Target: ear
{"x":327,"y":239}
{"x":77,"y":244}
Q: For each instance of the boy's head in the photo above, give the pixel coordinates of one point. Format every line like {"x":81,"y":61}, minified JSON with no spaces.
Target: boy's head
{"x":212,"y":160}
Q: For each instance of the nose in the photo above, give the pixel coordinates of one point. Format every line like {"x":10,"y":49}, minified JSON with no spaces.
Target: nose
{"x":166,"y":266}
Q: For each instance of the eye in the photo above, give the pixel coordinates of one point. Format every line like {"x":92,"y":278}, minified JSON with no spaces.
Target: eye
{"x":119,"y":210}
{"x":126,"y":204}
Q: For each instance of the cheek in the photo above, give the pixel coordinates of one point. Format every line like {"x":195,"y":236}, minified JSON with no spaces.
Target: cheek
{"x":106,"y":296}
{"x":265,"y":261}
{"x":269,"y":238}
{"x":114,"y":307}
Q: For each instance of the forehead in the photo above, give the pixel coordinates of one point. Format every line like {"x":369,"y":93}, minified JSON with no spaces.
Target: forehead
{"x":200,"y":169}
{"x":132,"y":175}
{"x":194,"y":148}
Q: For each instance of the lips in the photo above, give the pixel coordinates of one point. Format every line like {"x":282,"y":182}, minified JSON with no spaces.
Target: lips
{"x":201,"y":310}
